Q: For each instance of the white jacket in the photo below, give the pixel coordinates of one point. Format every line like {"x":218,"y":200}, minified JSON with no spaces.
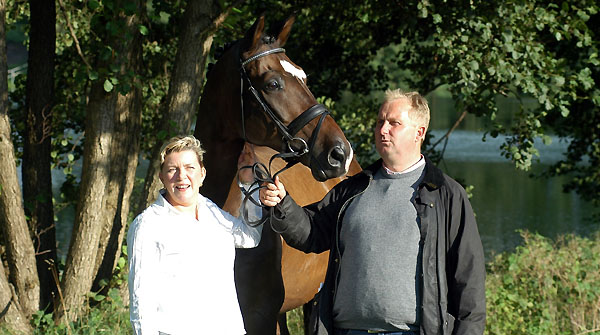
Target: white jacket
{"x":181,"y":277}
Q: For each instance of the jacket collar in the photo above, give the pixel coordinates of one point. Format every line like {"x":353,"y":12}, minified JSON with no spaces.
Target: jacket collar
{"x":433,"y":178}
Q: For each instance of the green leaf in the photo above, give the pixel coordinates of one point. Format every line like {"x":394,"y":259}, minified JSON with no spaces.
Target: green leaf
{"x":143,"y":30}
{"x":93,"y":75}
{"x":108,"y":86}
{"x":93,"y":4}
{"x":130,"y":8}
{"x":547,"y":140}
{"x":164,"y":17}
{"x":559,"y":80}
{"x":98,"y":297}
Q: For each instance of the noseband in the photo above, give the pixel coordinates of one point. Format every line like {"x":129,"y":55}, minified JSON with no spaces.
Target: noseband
{"x":296,"y":146}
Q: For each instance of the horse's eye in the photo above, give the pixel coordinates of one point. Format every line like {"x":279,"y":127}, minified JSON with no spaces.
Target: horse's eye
{"x":272,"y":85}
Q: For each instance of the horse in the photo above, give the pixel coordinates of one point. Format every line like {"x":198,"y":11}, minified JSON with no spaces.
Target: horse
{"x":255,"y":93}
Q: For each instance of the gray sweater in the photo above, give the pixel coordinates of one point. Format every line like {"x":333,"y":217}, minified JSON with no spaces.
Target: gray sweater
{"x":381,"y":257}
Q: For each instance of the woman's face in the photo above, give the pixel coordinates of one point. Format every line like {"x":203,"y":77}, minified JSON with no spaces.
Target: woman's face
{"x":182,"y":175}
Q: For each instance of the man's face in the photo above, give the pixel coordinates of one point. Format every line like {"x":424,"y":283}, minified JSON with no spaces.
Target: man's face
{"x":397,"y":138}
{"x":182,"y":175}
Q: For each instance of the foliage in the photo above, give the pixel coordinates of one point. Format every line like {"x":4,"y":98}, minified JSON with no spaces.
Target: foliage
{"x":357,"y":118}
{"x":295,"y":321}
{"x":545,"y":287}
{"x":111,"y":317}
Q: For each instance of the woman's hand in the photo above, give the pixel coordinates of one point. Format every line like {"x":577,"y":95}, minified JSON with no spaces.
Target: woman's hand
{"x":272,"y":194}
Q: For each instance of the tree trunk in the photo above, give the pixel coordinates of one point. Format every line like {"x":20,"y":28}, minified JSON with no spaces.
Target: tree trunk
{"x":104,"y":121}
{"x":10,"y":311}
{"x":79,"y":268}
{"x":20,"y":253}
{"x":37,"y":180}
{"x":201,"y":20}
{"x":124,"y":151}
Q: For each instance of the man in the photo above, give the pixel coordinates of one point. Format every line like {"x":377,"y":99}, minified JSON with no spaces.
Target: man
{"x":406,"y":256}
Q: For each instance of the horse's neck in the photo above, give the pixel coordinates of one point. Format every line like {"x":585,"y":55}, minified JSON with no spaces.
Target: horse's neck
{"x":217,"y":127}
{"x":222,"y":144}
{"x":221,"y":167}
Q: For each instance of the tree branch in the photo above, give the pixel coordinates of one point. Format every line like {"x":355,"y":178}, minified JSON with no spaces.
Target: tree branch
{"x":72,"y":32}
{"x":218,"y":21}
{"x":456,"y":124}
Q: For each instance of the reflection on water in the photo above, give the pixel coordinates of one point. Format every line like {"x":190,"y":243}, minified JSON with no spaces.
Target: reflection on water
{"x":506,"y":200}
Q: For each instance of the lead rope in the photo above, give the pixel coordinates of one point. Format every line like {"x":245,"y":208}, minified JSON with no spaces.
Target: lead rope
{"x":262,"y":175}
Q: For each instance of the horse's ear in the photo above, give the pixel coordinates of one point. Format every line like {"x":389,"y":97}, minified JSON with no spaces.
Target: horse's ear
{"x":254,"y":33}
{"x":284,"y":32}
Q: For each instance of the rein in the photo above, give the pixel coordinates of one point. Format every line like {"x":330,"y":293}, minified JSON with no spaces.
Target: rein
{"x":296,"y":146}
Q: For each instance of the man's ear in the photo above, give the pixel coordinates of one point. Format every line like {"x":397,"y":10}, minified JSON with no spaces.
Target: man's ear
{"x":420,"y":136}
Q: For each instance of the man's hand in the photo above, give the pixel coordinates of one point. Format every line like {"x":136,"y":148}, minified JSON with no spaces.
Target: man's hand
{"x":272,"y":194}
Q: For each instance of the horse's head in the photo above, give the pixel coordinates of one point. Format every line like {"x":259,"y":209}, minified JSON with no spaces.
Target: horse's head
{"x":280,"y":111}
{"x":255,"y":93}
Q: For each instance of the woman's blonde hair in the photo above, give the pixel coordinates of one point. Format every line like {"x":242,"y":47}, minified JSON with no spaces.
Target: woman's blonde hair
{"x":182,"y":143}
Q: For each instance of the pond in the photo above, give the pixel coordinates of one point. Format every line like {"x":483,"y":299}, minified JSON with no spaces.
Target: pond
{"x":506,"y":200}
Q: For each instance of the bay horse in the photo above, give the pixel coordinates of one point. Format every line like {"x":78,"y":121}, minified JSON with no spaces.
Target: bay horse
{"x":255,"y":93}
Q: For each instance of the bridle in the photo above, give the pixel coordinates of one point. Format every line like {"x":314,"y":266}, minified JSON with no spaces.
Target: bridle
{"x":288,"y":132}
{"x":296,"y":146}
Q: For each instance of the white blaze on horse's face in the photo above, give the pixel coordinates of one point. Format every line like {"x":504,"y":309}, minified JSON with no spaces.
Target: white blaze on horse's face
{"x":294,"y":71}
{"x":349,"y":159}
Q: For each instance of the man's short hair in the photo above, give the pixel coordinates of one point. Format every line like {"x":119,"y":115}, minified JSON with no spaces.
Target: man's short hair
{"x":182,"y":143}
{"x":419,"y":112}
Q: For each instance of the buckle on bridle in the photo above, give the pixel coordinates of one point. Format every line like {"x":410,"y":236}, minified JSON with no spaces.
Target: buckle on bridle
{"x":303,"y":148}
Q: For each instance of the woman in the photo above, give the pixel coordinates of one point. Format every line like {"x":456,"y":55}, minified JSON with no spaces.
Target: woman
{"x":181,"y":251}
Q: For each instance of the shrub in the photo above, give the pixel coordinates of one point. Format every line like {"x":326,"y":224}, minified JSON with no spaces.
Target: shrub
{"x":545,"y":287}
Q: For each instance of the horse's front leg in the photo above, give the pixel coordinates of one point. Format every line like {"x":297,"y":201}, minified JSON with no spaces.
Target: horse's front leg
{"x":259,"y":284}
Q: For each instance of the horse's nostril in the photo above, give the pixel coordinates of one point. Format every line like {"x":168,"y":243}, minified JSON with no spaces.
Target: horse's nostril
{"x":337,"y":157}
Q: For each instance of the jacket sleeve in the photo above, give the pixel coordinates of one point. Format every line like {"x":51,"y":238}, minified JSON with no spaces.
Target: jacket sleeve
{"x":309,"y":228}
{"x":465,"y":267}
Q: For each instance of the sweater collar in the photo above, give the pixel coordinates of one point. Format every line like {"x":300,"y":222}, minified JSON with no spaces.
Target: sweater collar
{"x":433,"y":177}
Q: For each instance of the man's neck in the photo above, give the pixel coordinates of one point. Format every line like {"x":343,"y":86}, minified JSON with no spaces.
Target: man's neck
{"x":402,"y":167}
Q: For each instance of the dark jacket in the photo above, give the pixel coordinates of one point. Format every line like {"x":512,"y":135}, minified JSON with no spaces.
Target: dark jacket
{"x":453,"y":274}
